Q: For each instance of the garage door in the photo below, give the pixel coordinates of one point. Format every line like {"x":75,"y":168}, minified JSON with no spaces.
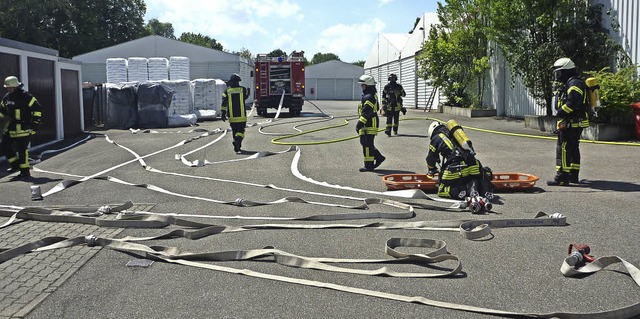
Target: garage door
{"x":326,"y":89}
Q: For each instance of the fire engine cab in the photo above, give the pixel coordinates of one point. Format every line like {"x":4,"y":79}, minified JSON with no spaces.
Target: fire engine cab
{"x":279,"y":80}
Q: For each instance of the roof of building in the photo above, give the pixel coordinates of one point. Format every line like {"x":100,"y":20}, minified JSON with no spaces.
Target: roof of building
{"x":157,"y":46}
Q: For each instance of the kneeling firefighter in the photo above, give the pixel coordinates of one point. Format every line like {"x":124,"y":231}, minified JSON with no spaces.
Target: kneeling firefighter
{"x":461,"y":174}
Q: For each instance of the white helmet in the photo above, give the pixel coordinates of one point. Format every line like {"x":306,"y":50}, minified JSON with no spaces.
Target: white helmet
{"x":11,"y":82}
{"x":563,"y":64}
{"x":366,"y":80}
{"x":432,"y":127}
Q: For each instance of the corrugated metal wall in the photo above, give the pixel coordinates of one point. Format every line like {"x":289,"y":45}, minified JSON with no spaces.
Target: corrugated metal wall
{"x":627,"y":14}
{"x":9,"y":65}
{"x":70,"y":103}
{"x":42,"y":86}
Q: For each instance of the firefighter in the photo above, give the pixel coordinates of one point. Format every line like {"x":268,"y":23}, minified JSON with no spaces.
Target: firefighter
{"x":21,"y":112}
{"x":571,"y":118}
{"x":460,"y":174}
{"x":392,"y":104}
{"x":367,"y":126}
{"x":233,"y":107}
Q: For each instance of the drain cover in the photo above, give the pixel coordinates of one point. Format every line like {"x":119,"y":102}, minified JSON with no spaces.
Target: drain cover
{"x":145,"y":263}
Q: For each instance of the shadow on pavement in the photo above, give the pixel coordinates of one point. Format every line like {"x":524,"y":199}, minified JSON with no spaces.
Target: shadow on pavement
{"x":614,"y":186}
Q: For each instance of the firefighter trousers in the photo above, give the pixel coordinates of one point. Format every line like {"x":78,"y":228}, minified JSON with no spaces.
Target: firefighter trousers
{"x":370,"y":152}
{"x":568,"y":151}
{"x":393,"y":118}
{"x":237,"y":129}
{"x":16,"y":150}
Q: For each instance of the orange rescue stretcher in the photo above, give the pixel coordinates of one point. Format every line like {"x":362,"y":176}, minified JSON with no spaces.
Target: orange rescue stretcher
{"x":501,"y":181}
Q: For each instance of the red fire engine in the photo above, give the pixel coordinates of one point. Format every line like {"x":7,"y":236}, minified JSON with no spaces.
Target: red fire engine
{"x":275,"y":76}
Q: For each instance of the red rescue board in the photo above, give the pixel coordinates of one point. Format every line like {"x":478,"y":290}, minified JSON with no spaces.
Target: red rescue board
{"x":501,"y":181}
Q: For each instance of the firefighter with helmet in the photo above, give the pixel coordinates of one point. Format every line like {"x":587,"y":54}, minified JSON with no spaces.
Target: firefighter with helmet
{"x":392,"y":95}
{"x":21,"y":113}
{"x":461,"y":174}
{"x":233,"y":108}
{"x":571,"y":118}
{"x":367,"y":125}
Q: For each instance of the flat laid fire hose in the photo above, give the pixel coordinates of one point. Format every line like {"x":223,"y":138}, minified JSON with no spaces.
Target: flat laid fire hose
{"x":174,"y":255}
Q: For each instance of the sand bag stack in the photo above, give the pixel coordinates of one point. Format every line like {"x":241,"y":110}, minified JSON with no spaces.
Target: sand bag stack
{"x":137,"y":69}
{"x":179,"y":68}
{"x":158,"y":69}
{"x":116,"y":70}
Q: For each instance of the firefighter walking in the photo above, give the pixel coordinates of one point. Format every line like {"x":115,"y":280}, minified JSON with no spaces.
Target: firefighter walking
{"x":21,"y":112}
{"x":368,"y":123}
{"x":571,"y":118}
{"x":233,"y":108}
{"x":392,"y":95}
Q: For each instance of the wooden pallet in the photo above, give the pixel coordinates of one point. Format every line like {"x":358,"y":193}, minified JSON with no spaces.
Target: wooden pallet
{"x":501,"y":181}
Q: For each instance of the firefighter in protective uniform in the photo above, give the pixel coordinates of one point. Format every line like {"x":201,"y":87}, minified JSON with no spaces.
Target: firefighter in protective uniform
{"x":233,"y":108}
{"x":392,"y":95}
{"x":571,"y":118}
{"x":367,"y":126}
{"x":21,"y":112}
{"x":460,"y":174}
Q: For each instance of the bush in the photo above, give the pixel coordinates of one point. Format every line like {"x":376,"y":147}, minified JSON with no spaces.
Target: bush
{"x":617,"y":92}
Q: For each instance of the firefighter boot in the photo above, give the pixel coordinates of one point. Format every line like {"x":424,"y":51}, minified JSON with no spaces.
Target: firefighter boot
{"x":573,"y":178}
{"x":379,"y":161}
{"x":561,"y":179}
{"x":24,"y":173}
{"x":13,"y":168}
{"x":388,"y":132}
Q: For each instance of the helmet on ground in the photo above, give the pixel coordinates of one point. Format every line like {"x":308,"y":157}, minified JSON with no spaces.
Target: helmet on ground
{"x":11,"y":82}
{"x":563,"y":64}
{"x":432,"y":127}
{"x":235,"y":78}
{"x":393,"y":77}
{"x":366,"y":80}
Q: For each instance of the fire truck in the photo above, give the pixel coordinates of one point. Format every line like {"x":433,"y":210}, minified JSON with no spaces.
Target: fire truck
{"x":279,"y":79}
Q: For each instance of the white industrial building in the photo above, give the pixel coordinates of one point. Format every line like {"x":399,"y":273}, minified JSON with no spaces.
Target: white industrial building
{"x":333,"y":80}
{"x":396,"y":53}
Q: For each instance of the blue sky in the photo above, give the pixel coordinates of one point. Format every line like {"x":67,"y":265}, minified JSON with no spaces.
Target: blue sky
{"x":347,"y":28}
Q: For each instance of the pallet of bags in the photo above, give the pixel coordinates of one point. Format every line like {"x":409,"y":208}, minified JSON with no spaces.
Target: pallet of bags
{"x":116,"y":70}
{"x":158,"y":69}
{"x":137,"y":69}
{"x":207,"y":98}
{"x":154,"y":100}
{"x":179,"y":68}
{"x":181,"y":103}
{"x":121,"y":105}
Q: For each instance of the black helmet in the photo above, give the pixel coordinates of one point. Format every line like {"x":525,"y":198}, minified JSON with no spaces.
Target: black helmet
{"x":235,"y":78}
{"x":393,"y":77}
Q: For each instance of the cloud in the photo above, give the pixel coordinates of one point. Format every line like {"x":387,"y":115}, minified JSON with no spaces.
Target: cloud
{"x":234,"y":19}
{"x":349,"y":40}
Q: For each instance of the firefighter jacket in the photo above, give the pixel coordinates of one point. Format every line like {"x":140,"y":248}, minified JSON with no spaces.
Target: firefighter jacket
{"x":233,"y":104}
{"x":22,"y":112}
{"x":457,"y":164}
{"x":368,"y":121}
{"x":572,"y":104}
{"x":392,"y":95}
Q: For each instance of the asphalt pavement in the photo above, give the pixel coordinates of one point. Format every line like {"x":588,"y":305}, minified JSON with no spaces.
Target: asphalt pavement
{"x":517,"y":269}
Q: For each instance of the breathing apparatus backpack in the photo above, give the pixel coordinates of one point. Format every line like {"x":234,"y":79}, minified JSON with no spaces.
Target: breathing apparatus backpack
{"x":457,"y":134}
{"x":465,"y":148}
{"x":594,"y":97}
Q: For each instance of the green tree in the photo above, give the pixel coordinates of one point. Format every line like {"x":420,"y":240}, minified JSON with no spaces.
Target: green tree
{"x":532,"y":34}
{"x":165,"y":29}
{"x":72,"y":26}
{"x":201,"y":40}
{"x":276,"y":53}
{"x":245,"y":53}
{"x":323,"y":57}
{"x":359,"y":63}
{"x":455,"y":55}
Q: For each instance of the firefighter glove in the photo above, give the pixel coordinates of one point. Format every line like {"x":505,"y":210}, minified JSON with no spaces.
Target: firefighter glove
{"x":404,"y":110}
{"x":359,"y":126}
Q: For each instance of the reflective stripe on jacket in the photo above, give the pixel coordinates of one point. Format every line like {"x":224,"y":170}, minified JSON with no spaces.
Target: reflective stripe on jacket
{"x":233,"y":103}
{"x":22,"y":111}
{"x":368,"y":112}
